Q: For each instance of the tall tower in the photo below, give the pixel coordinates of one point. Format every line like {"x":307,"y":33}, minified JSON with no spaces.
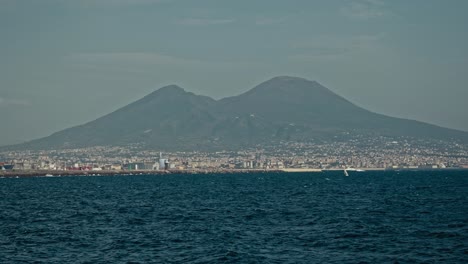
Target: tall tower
{"x":163,"y":163}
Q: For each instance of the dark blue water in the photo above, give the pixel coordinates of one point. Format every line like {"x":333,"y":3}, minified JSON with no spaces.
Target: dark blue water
{"x":372,"y":217}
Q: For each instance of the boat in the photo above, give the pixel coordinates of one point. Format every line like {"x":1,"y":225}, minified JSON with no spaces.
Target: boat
{"x":346,"y":173}
{"x":353,"y":170}
{"x":49,"y":175}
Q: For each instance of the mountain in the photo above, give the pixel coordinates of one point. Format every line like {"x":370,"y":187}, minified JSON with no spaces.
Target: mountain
{"x":157,"y":119}
{"x":283,"y":108}
{"x":313,"y":110}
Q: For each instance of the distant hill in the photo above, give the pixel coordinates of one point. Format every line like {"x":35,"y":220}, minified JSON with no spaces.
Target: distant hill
{"x":283,"y":108}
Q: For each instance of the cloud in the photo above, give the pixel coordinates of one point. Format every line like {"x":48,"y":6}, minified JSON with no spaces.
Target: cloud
{"x":319,"y":54}
{"x":134,"y":58}
{"x":264,"y":21}
{"x":336,"y":41}
{"x":128,"y":57}
{"x":203,"y":21}
{"x":92,"y":3}
{"x":364,"y":9}
{"x":13,"y":102}
{"x":146,"y":61}
{"x":333,"y":47}
{"x":116,"y":2}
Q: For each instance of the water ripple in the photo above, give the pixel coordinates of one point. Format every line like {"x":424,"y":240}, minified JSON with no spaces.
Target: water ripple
{"x":412,"y":217}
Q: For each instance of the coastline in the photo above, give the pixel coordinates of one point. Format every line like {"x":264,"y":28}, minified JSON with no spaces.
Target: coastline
{"x":70,"y":173}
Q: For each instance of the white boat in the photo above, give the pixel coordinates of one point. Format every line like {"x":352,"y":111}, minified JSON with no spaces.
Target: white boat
{"x":353,"y":170}
{"x":49,"y":175}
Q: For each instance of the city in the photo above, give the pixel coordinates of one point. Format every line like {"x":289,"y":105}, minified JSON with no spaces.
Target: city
{"x":366,"y":153}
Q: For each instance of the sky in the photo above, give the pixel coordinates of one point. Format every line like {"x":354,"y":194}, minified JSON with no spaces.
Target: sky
{"x":68,"y":62}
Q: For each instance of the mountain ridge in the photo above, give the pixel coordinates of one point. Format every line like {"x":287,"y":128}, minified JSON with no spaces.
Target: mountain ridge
{"x":279,"y":109}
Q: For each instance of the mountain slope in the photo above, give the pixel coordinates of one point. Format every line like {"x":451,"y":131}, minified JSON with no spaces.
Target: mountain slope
{"x":312,"y":109}
{"x":157,"y":119}
{"x":286,"y":100}
{"x":283,"y":108}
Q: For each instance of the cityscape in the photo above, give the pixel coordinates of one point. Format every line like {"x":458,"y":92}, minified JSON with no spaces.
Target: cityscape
{"x":364,"y":153}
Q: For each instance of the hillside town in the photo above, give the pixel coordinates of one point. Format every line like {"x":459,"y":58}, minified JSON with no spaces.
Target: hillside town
{"x":363,"y":153}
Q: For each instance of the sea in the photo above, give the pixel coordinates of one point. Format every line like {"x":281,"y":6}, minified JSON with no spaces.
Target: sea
{"x":368,"y":217}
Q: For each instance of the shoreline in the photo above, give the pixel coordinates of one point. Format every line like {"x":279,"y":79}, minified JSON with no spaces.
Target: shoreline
{"x":70,"y":173}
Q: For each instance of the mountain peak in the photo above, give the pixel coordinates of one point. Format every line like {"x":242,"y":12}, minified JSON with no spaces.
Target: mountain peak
{"x":286,"y":78}
{"x":286,"y":84}
{"x":289,"y":81}
{"x":171,"y":89}
{"x":164,"y":92}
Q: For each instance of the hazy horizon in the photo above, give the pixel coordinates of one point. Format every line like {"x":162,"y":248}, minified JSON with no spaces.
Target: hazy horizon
{"x":65,"y":63}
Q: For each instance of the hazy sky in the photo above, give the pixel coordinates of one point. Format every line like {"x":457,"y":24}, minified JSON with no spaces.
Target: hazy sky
{"x":63,"y":63}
